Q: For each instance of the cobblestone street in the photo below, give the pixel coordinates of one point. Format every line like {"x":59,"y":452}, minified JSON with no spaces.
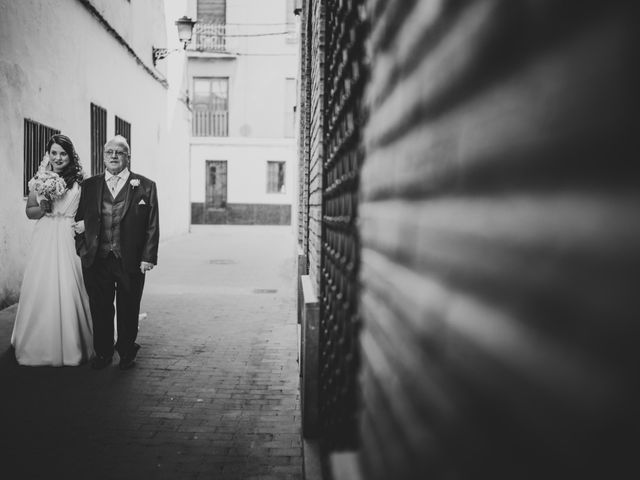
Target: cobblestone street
{"x":214,"y":393}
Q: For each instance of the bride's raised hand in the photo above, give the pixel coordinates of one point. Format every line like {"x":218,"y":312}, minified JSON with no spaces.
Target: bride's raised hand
{"x":45,"y":163}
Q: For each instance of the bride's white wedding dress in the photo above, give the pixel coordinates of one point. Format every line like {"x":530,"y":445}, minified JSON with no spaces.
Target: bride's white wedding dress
{"x":53,"y":322}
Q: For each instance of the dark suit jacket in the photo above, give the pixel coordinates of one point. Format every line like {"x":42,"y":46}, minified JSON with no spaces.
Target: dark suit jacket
{"x":139,"y":228}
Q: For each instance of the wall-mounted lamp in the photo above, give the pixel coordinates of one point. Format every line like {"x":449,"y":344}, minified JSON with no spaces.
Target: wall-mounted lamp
{"x":185,"y":32}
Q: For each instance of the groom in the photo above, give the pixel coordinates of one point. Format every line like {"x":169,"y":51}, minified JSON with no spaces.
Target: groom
{"x":118,"y":244}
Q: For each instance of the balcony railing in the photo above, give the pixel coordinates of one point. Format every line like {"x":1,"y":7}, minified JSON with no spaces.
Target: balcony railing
{"x":210,"y":123}
{"x":209,"y":37}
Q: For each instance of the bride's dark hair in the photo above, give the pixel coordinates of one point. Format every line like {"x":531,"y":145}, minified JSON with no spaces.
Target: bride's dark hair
{"x":73,"y":171}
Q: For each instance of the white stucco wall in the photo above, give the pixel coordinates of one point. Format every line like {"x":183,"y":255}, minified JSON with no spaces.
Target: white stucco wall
{"x":256,"y":91}
{"x":55,"y":60}
{"x":258,"y":69}
{"x":140,"y":22}
{"x":246,"y":169}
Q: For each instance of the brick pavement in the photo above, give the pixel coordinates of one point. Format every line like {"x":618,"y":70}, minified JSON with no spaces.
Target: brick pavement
{"x":214,"y":394}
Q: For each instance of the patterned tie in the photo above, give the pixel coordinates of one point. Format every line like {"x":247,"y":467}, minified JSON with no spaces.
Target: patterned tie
{"x":113,"y":183}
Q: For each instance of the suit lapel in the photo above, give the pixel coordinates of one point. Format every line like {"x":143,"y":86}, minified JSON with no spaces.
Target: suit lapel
{"x":128,"y":194}
{"x":101,"y":183}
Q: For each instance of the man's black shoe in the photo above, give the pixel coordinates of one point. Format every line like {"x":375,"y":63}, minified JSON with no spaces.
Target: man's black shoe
{"x":98,"y":363}
{"x":128,"y":361}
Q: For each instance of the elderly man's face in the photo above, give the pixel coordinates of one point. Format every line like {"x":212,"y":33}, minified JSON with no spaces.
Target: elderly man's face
{"x":116,"y":156}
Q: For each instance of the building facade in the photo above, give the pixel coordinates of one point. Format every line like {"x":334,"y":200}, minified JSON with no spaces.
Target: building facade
{"x":85,"y":69}
{"x":242,"y":68}
{"x":469,"y":238}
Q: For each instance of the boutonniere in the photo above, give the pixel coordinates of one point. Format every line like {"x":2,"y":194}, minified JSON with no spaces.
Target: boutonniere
{"x":135,"y":183}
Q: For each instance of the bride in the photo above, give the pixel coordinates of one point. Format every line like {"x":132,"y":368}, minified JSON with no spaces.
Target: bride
{"x":53,"y":322}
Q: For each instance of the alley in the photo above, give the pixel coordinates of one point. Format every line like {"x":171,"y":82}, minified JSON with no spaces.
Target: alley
{"x":214,"y":393}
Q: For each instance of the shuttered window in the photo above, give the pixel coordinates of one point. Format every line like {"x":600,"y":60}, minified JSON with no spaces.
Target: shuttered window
{"x":213,"y":11}
{"x":98,"y":137}
{"x":36,"y":137}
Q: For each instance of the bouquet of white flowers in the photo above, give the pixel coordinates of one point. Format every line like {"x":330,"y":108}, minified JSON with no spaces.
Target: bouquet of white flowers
{"x":47,"y":183}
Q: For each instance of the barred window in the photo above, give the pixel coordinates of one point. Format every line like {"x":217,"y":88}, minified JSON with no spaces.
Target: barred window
{"x":275,"y":177}
{"x":123,"y":128}
{"x":98,"y":137}
{"x":36,"y":137}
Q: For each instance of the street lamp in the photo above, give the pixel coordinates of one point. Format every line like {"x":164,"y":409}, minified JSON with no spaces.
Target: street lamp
{"x":185,"y":32}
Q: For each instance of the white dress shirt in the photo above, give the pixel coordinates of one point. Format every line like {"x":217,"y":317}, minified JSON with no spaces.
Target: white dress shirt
{"x":124,"y":175}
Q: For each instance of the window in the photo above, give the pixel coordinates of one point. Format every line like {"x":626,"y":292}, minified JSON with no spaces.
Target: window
{"x":210,"y":30}
{"x":275,"y":177}
{"x":289,"y":105}
{"x":123,"y":128}
{"x":210,"y":107}
{"x":36,"y":137}
{"x":98,"y":138}
{"x":212,"y":11}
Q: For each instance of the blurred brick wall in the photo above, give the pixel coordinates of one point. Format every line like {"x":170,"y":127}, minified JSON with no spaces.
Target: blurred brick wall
{"x":304,"y":117}
{"x":346,"y":70}
{"x":501,"y":240}
{"x":316,"y":132}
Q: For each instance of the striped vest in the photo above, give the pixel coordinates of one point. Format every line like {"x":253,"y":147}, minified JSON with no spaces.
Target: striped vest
{"x":112,"y":210}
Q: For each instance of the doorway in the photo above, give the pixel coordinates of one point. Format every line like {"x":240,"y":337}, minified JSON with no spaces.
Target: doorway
{"x":216,"y":184}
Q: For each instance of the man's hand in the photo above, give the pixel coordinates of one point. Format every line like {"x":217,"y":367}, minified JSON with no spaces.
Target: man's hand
{"x":146,"y":266}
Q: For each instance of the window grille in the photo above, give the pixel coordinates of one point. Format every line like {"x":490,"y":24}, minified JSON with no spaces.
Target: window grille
{"x":210,"y":30}
{"x":98,"y":138}
{"x":36,"y":137}
{"x":123,"y":128}
{"x":275,"y":177}
{"x":343,"y":150}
